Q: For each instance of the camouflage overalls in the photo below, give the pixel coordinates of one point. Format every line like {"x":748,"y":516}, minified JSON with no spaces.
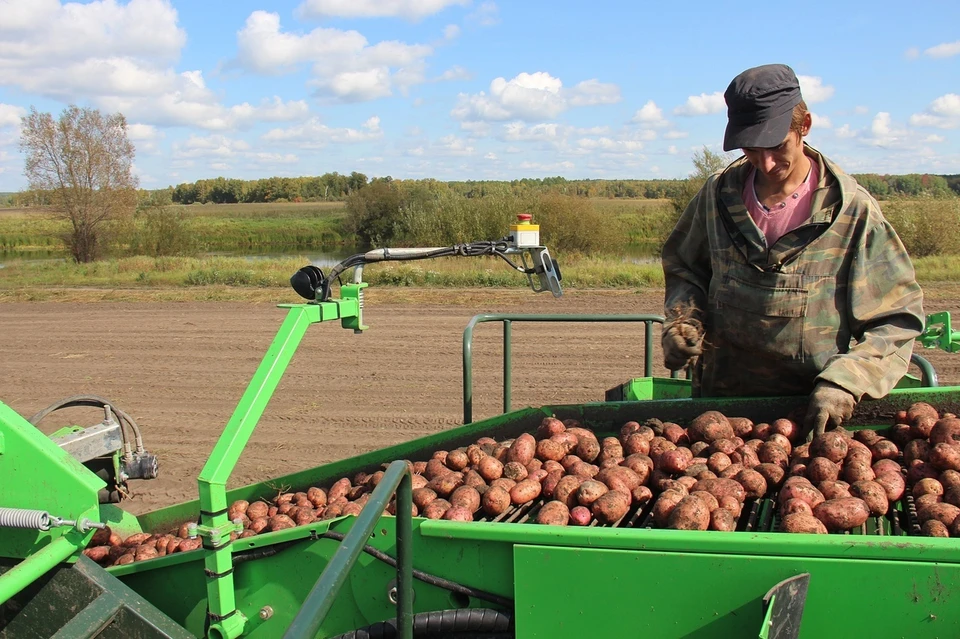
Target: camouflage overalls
{"x":836,"y":299}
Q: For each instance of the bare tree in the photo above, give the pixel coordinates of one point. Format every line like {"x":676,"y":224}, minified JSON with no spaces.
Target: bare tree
{"x":83,"y":161}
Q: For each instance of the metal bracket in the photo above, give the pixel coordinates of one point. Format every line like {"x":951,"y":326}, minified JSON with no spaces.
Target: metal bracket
{"x":783,"y":608}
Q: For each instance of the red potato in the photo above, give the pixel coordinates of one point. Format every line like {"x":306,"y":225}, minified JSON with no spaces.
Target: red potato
{"x":873,"y":494}
{"x":553,"y":513}
{"x":886,"y":466}
{"x":580,"y":516}
{"x":795,"y":506}
{"x":549,"y":449}
{"x":435,"y":468}
{"x":490,"y":468}
{"x":629,"y":428}
{"x":834,"y":489}
{"x":457,"y":513}
{"x":945,"y":457}
{"x":339,"y":489}
{"x":584,"y":470}
{"x":444,"y":485}
{"x":619,"y":478}
{"x":641,"y":495}
{"x":721,"y":488}
{"x":589,"y":491}
{"x":773,"y":473}
{"x":318,"y":496}
{"x":522,"y":449}
{"x":858,"y":470}
{"x":566,"y":439}
{"x":761,"y":431}
{"x":515,"y":471}
{"x":722,"y":520}
{"x":772,"y":453}
{"x":504,"y":483}
{"x":690,"y":513}
{"x":610,"y":507}
{"x":467,"y":497}
{"x":742,"y":426}
{"x":867,"y":436}
{"x":549,"y":427}
{"x":804,"y":492}
{"x":893,"y":484}
{"x":725,"y":446}
{"x":99,"y":554}
{"x":419,"y":467}
{"x":782,"y":441}
{"x":675,"y":461}
{"x":945,"y":431}
{"x":922,"y":427}
{"x":718,"y":462}
{"x":753,"y":483}
{"x":934,"y":528}
{"x":711,"y":501}
{"x":438,"y":507}
{"x":916,"y":449}
{"x":918,"y":470}
{"x":946,"y":513}
{"x":821,"y":469}
{"x":786,"y":427}
{"x":475,"y":453}
{"x":949,"y":478}
{"x":635,"y":443}
{"x":927,"y":486}
{"x":687,"y":482}
{"x":884,"y":449}
{"x":588,"y":448}
{"x":549,"y":483}
{"x":921,"y":409}
{"x":710,"y":426}
{"x":801,"y":523}
{"x":842,"y":514}
{"x":473,"y":478}
{"x":731,"y":504}
{"x":457,"y":459}
{"x":525,"y":491}
{"x":495,"y":501}
{"x":927,"y":500}
{"x":831,"y":445}
{"x":676,"y":434}
{"x":664,"y":505}
{"x":730,"y":471}
{"x":566,"y":490}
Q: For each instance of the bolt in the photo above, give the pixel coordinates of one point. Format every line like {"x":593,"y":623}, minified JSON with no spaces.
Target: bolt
{"x":266,"y":612}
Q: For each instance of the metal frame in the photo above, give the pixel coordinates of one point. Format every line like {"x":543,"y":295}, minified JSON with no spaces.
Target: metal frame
{"x":507,"y":319}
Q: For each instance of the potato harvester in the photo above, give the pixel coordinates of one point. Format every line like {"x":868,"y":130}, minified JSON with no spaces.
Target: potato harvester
{"x":373,"y":575}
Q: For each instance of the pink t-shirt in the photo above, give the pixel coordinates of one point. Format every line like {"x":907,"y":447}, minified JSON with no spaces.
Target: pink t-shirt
{"x":786,"y":216}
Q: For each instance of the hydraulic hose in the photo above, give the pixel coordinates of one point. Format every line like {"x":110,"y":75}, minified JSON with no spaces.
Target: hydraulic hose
{"x":481,"y":621}
{"x":97,"y":402}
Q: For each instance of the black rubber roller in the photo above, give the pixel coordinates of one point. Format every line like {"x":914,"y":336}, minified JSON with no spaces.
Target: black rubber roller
{"x":478,"y":622}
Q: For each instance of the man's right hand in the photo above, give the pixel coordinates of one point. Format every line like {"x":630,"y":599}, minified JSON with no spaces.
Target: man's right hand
{"x":682,"y":341}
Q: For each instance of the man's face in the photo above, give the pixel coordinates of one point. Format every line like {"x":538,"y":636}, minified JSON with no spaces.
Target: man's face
{"x":777,"y":164}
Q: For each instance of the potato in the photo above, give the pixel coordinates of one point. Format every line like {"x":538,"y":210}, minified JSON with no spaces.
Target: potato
{"x":893,"y":484}
{"x":821,"y":469}
{"x":945,"y":431}
{"x":886,"y":466}
{"x":834,"y":489}
{"x":687,"y":482}
{"x":785,"y":427}
{"x":802,"y":491}
{"x":525,"y":491}
{"x":237,"y":509}
{"x":610,"y":507}
{"x":436,"y":508}
{"x":619,"y":478}
{"x":641,"y":464}
{"x":353,"y":508}
{"x":720,"y":488}
{"x":858,"y":470}
{"x":457,"y":513}
{"x":495,"y":501}
{"x":553,"y":513}
{"x":927,"y":486}
{"x":257,"y":525}
{"x":659,"y":446}
{"x":772,"y":473}
{"x":921,"y":409}
{"x":873,"y":494}
{"x":99,"y":554}
{"x":549,"y":483}
{"x":916,"y":449}
{"x":490,"y":468}
{"x":628,"y":429}
{"x":831,"y":445}
{"x":467,"y":497}
{"x":317,"y":496}
{"x":801,"y":523}
{"x":584,"y":470}
{"x":635,"y":443}
{"x":281,"y":522}
{"x":934,"y":528}
{"x":515,"y":471}
{"x":549,"y":427}
{"x":474,"y":479}
{"x":691,"y":513}
{"x":707,"y":498}
{"x":842,"y":514}
{"x":523,"y":449}
{"x":504,"y":483}
{"x":795,"y":506}
{"x":927,"y":500}
{"x":676,"y":434}
{"x":126,"y":559}
{"x":457,"y":459}
{"x":549,"y":449}
{"x":884,"y":449}
{"x":699,"y":448}
{"x":730,"y":471}
{"x":918,"y":470}
{"x":675,"y":461}
{"x":731,"y":504}
{"x":772,"y":453}
{"x":136,"y":539}
{"x":742,"y":426}
{"x":761,"y":431}
{"x":746,"y":457}
{"x":695,"y":469}
{"x":718,"y":462}
{"x":444,"y":485}
{"x":566,"y":490}
{"x":946,"y":513}
{"x":945,"y":457}
{"x":664,"y":505}
{"x":753,"y":483}
{"x":588,"y":449}
{"x":567,"y":440}
{"x":781,"y":441}
{"x":589,"y":491}
{"x":641,"y":495}
{"x":722,"y":520}
{"x":534,"y":465}
{"x":580,"y":516}
{"x":710,"y":426}
{"x":342,"y":487}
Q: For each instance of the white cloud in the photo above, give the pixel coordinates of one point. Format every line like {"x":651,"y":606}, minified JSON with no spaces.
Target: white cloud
{"x":410,"y":9}
{"x":313,"y":134}
{"x":650,"y":115}
{"x":456,"y":72}
{"x":912,"y":53}
{"x":451,"y":32}
{"x":845,"y":132}
{"x":861,"y":110}
{"x":703,"y":104}
{"x":675,"y":135}
{"x":943,"y":113}
{"x":821,"y":121}
{"x":531,"y":97}
{"x":610,"y":145}
{"x":345,"y":66}
{"x":144,"y":137}
{"x":547,"y":166}
{"x":486,"y":15}
{"x":813,"y":89}
{"x":490,"y":156}
{"x":10,"y":115}
{"x":210,"y":146}
{"x":945,"y":50}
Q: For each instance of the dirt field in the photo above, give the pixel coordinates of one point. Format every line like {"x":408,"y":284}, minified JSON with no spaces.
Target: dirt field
{"x":180,"y":368}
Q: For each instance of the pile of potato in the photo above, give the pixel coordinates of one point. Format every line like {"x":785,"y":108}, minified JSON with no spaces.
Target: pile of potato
{"x":688,"y":478}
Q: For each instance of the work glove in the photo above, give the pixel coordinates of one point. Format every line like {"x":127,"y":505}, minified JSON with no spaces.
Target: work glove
{"x":828,"y":404}
{"x":682,"y":341}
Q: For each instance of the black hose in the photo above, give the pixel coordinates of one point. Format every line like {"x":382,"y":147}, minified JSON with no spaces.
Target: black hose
{"x":425,"y":577}
{"x":481,"y":621}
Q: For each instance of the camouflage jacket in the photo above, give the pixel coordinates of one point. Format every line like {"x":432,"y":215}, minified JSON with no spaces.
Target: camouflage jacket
{"x":836,"y":299}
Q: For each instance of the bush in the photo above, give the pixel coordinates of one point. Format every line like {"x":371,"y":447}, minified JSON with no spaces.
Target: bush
{"x":927,"y":226}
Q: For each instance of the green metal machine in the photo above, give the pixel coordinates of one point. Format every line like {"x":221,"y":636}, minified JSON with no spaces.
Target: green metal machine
{"x":374,"y":575}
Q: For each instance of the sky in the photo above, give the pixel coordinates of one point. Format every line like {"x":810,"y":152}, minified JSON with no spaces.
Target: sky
{"x":476,"y":89}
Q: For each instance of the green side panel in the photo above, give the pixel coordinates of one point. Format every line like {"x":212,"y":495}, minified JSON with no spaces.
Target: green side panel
{"x":648,"y":388}
{"x":36,"y":474}
{"x":573,"y":592}
{"x":119,"y":520}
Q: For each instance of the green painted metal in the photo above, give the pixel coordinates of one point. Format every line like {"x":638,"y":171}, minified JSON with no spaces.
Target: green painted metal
{"x":36,"y":474}
{"x":322,"y":596}
{"x":507,"y":319}
{"x":35,"y":566}
{"x":939,"y":333}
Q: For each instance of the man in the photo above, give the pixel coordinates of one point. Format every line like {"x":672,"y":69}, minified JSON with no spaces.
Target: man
{"x":782,"y":276}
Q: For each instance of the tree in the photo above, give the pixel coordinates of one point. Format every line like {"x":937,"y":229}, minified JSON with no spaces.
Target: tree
{"x":83,"y":161}
{"x":705,"y":163}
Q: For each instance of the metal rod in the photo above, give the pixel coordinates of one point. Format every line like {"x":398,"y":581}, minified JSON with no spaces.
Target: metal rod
{"x":34,"y":566}
{"x":323,"y":594}
{"x":405,"y":557}
{"x":507,"y":365}
{"x":648,"y":349}
{"x":507,"y":318}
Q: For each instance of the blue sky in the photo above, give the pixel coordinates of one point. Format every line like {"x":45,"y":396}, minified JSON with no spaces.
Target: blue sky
{"x":475,"y":89}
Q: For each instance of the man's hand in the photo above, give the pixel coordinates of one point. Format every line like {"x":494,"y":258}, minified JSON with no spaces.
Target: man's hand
{"x":829,"y":404}
{"x":682,"y":340}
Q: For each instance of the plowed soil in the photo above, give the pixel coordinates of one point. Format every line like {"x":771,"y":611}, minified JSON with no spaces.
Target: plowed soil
{"x":179,"y":368}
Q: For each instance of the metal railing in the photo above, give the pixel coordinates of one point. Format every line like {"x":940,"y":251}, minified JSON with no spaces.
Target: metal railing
{"x":508,"y":319}
{"x":396,"y":479}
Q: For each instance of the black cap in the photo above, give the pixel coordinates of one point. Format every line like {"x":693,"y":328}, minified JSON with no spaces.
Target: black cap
{"x":760,"y":105}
